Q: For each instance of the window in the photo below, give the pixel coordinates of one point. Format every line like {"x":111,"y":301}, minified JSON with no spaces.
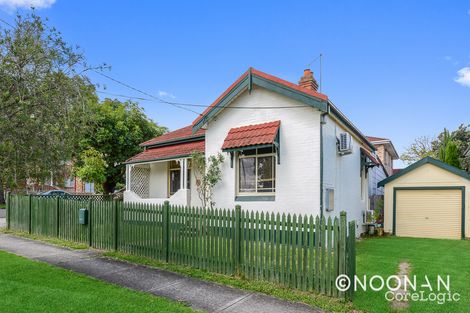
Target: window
{"x":174,"y":177}
{"x":257,"y":171}
{"x":329,"y":199}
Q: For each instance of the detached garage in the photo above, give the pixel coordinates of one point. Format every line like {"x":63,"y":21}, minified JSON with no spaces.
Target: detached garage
{"x":428,"y":199}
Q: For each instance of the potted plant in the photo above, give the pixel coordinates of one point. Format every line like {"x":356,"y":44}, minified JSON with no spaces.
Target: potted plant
{"x":378,"y":216}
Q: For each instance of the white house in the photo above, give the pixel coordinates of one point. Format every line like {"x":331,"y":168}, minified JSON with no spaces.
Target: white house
{"x":288,"y":148}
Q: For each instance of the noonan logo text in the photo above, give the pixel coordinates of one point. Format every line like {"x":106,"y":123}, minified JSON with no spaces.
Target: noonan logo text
{"x":405,"y":288}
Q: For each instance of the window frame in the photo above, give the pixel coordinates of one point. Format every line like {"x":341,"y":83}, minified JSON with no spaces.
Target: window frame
{"x":329,"y":199}
{"x":239,"y":156}
{"x":177,"y":168}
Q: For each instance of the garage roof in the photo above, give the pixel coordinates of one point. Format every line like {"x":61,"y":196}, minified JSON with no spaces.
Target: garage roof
{"x":426,"y":160}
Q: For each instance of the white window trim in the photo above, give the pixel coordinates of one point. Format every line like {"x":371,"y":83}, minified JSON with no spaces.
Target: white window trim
{"x":237,"y":174}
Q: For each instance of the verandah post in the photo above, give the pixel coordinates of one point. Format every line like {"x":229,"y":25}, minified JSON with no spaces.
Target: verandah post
{"x":166,"y":228}
{"x":238,"y":230}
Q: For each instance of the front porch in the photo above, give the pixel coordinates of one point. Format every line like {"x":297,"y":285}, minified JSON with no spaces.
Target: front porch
{"x":159,"y":181}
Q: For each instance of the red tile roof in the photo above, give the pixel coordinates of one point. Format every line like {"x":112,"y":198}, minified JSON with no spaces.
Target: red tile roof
{"x":182,"y":133}
{"x":396,"y":170}
{"x":283,"y":82}
{"x":372,"y":139}
{"x":167,"y":152}
{"x":251,"y":135}
{"x":370,"y":156}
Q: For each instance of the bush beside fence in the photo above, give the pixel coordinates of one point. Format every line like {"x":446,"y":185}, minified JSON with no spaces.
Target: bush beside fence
{"x":306,"y":253}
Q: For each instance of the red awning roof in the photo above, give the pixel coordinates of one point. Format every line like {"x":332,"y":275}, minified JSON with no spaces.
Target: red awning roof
{"x":370,"y":156}
{"x":168,"y":152}
{"x":251,"y":135}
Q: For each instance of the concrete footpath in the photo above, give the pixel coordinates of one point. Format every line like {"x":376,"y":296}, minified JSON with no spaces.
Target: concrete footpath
{"x":198,"y":294}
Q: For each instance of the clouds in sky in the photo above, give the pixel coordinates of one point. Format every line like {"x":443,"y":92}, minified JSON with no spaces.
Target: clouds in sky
{"x":26,"y":4}
{"x":166,"y":94}
{"x":463,"y":77}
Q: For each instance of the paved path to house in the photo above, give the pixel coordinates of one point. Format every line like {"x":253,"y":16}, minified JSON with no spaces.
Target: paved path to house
{"x":198,"y":294}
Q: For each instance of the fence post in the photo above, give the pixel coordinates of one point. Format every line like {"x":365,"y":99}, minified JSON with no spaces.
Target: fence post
{"x":116,"y":225}
{"x":90,"y":204}
{"x":30,"y":215}
{"x":8,"y":209}
{"x":342,"y":247}
{"x":57,"y":217}
{"x":351,"y":256}
{"x":166,"y":228}
{"x":238,"y":230}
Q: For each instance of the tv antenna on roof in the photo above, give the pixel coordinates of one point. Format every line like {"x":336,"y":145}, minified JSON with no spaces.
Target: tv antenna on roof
{"x":320,"y":57}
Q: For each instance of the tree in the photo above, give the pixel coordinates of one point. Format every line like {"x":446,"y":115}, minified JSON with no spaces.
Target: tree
{"x":420,"y":148}
{"x":448,"y":151}
{"x":461,"y":138}
{"x":118,"y":129}
{"x":92,"y":167}
{"x":44,"y":101}
{"x":208,"y":173}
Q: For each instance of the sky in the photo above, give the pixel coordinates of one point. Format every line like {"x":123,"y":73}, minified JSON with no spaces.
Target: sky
{"x":397,"y":69}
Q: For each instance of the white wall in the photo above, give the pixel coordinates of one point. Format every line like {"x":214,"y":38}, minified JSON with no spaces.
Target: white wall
{"x":158,"y":180}
{"x":342,"y":173}
{"x":298,"y":175}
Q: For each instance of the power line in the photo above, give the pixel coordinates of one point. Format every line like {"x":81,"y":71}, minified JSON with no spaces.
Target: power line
{"x":177,"y":105}
{"x":183,"y":106}
{"x":207,"y":106}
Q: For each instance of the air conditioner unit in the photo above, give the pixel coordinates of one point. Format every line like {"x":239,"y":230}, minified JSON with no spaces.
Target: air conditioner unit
{"x":345,"y":146}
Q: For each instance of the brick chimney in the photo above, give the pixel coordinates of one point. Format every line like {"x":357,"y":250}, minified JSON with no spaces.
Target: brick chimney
{"x":308,"y":81}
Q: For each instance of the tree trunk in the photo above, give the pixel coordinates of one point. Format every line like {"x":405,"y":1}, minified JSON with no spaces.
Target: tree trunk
{"x":109,"y":186}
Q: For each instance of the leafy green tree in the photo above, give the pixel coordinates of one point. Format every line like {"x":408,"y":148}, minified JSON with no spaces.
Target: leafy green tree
{"x":448,"y":151}
{"x":44,"y":101}
{"x":92,"y":167}
{"x":118,"y":129}
{"x":208,"y":173}
{"x":461,"y":138}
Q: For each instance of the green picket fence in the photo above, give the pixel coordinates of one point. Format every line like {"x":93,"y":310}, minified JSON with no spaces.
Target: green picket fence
{"x":296,"y":251}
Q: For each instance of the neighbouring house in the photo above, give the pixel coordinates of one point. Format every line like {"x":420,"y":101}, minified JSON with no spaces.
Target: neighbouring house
{"x":386,"y":154}
{"x":64,"y":181}
{"x":428,"y":199}
{"x":287,"y":148}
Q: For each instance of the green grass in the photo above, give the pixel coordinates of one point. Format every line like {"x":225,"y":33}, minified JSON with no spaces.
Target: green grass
{"x":51,"y":240}
{"x":381,"y":256}
{"x":30,"y":286}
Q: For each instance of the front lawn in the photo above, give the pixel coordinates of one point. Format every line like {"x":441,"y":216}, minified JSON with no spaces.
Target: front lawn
{"x":381,"y":256}
{"x":29,"y":286}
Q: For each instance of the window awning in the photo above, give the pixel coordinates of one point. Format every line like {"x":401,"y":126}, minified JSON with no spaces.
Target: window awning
{"x":252,"y":136}
{"x":369,"y":156}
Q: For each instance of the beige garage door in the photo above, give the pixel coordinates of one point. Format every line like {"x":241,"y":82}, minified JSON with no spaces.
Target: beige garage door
{"x":429,"y":213}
